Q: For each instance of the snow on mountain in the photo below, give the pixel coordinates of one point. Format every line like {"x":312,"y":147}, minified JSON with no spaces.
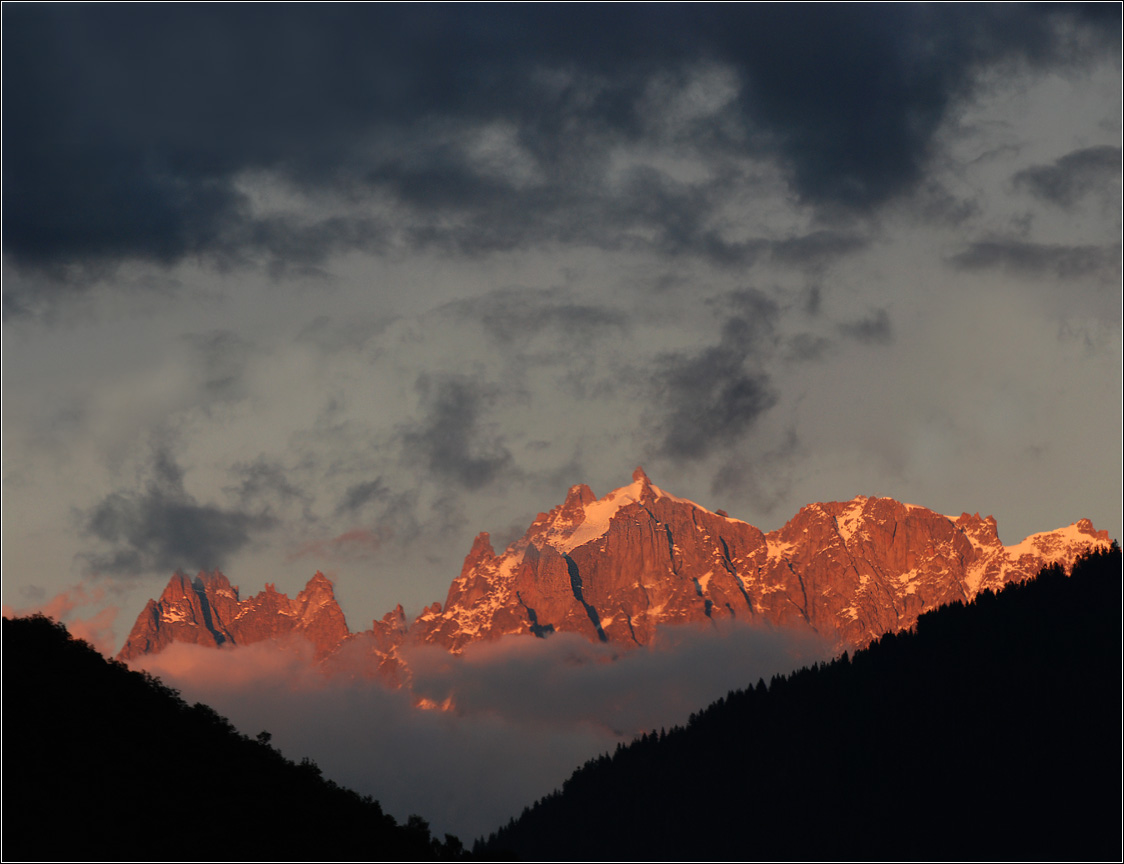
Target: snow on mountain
{"x":617,"y":568}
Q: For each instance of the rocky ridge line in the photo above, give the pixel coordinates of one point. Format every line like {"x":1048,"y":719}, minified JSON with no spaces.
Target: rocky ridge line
{"x":617,"y":568}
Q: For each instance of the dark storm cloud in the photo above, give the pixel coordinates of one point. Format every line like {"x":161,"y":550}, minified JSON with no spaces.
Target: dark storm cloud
{"x":1042,"y":259}
{"x":126,"y":128}
{"x":163,"y":529}
{"x":454,"y":440}
{"x":853,"y":107}
{"x":711,"y":398}
{"x":1068,"y":179}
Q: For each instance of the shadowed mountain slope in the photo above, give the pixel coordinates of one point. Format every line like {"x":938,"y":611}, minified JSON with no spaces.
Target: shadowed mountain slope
{"x":989,"y":732}
{"x":102,"y":763}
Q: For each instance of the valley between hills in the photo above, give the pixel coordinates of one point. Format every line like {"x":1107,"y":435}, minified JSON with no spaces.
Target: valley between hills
{"x":990,"y":730}
{"x":947,"y":690}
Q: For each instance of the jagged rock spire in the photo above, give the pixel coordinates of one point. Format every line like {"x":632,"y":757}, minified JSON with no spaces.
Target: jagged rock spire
{"x":207,"y":611}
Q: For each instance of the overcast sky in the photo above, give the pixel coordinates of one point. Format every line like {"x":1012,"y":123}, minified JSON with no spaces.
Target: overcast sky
{"x":297,"y":288}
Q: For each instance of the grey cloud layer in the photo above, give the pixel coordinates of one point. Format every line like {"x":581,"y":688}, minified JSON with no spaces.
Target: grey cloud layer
{"x":133,"y":126}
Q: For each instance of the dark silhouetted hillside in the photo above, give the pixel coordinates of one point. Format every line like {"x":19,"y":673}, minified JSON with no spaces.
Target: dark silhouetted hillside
{"x":991,"y":731}
{"x":102,"y":763}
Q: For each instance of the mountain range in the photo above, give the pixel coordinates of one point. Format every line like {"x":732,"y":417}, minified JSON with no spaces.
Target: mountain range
{"x":618,"y":568}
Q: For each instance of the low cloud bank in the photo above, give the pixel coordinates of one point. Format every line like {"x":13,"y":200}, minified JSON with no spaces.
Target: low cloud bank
{"x":522,"y":713}
{"x":568,"y":681}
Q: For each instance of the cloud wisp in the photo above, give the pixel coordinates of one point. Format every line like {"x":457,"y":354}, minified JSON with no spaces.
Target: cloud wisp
{"x":712,"y":397}
{"x":454,"y":440}
{"x":1071,"y":177}
{"x":1042,"y":260}
{"x":164,"y":529}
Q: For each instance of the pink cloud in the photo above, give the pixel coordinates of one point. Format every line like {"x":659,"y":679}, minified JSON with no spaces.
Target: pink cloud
{"x":97,"y":629}
{"x":285,"y":663}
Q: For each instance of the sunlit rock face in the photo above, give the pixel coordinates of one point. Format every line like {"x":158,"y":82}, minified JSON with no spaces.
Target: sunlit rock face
{"x":207,"y":610}
{"x":616,"y":568}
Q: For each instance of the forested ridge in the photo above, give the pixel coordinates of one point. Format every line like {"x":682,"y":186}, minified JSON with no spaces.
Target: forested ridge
{"x":104,"y":763}
{"x":990,"y":731}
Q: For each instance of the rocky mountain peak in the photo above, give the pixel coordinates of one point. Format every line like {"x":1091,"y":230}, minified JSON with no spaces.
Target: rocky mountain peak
{"x":215,"y":581}
{"x":981,"y":531}
{"x":619,"y":567}
{"x":616,"y":568}
{"x":396,"y":618}
{"x":179,"y":588}
{"x":480,"y":552}
{"x":207,"y":610}
{"x":578,"y":497}
{"x":319,"y":586}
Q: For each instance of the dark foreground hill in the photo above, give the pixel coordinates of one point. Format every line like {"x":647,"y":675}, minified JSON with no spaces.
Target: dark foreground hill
{"x":102,"y":763}
{"x":992,"y":731}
